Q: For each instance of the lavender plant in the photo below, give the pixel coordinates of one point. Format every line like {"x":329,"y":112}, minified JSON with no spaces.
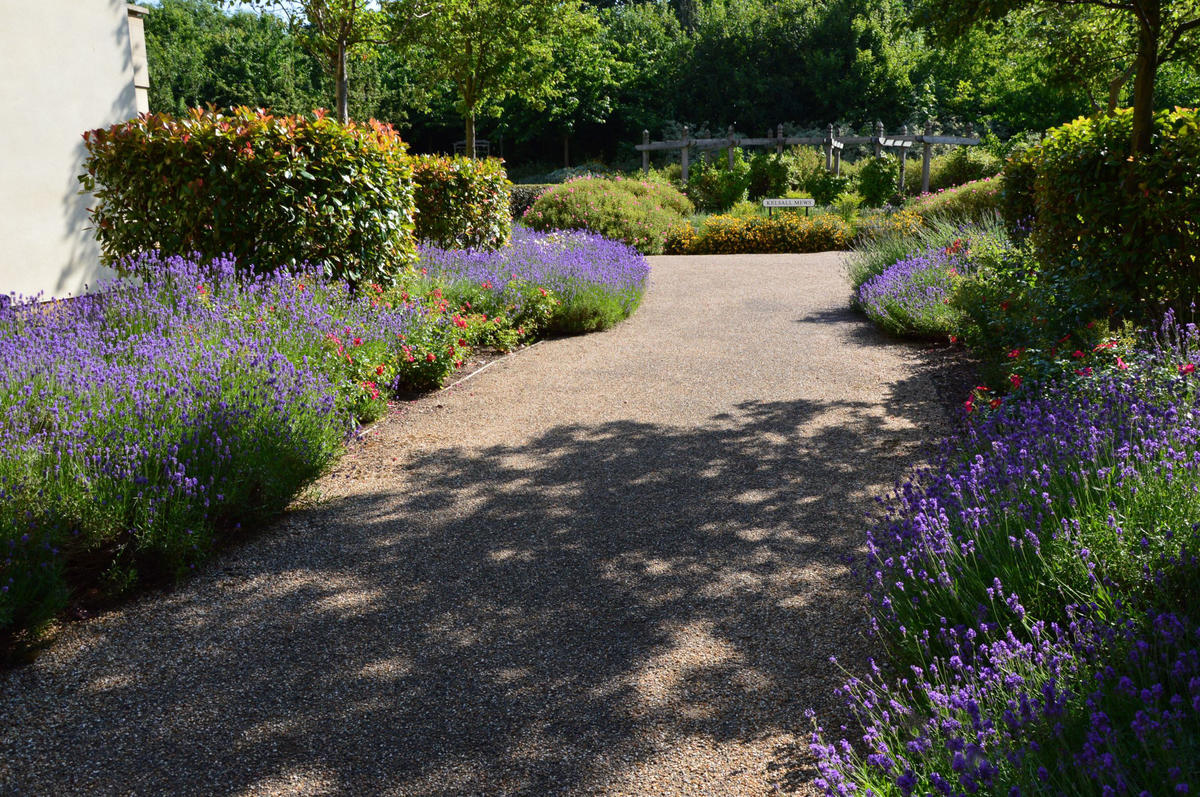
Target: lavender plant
{"x":596,"y":281}
{"x":1034,"y":590}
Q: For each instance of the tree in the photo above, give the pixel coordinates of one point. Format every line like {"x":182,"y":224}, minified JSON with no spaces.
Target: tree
{"x":334,"y":29}
{"x":1162,"y":31}
{"x":490,"y":50}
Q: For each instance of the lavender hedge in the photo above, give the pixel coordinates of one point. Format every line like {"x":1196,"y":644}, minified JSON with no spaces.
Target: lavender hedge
{"x":597,"y":281}
{"x":1035,"y":591}
{"x":141,"y":422}
{"x":913,"y":296}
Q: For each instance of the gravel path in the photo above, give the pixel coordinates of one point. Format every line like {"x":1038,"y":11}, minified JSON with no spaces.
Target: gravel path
{"x":614,"y":564}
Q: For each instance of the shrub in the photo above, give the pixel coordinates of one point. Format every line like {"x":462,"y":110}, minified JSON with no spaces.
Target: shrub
{"x":886,"y":226}
{"x":825,"y":186}
{"x":594,"y":282}
{"x":768,"y":176}
{"x":522,"y":196}
{"x":1017,"y":205}
{"x":802,"y":163}
{"x":877,"y":180}
{"x":636,"y":213}
{"x":902,"y":235}
{"x":715,"y":187}
{"x":1122,"y":236}
{"x":962,"y":165}
{"x":461,"y":202}
{"x":785,"y":233}
{"x":270,"y":190}
{"x":971,"y":202}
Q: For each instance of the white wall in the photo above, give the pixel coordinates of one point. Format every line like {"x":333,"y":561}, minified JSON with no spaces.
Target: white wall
{"x":65,"y":67}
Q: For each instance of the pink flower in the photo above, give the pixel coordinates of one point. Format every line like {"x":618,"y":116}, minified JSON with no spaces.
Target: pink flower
{"x":1187,"y":368}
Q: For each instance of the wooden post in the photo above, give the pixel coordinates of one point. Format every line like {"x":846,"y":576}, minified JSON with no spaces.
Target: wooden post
{"x":779,"y":139}
{"x":837,"y":161}
{"x":683,"y":157}
{"x":903,"y":158}
{"x":729,"y":149}
{"x":829,"y":149}
{"x":646,"y":152}
{"x":878,"y":135}
{"x":925,"y":158}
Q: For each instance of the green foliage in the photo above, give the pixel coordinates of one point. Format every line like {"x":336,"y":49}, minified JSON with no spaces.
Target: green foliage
{"x":782,"y":234}
{"x":825,"y":186}
{"x":769,"y":176}
{"x":878,"y":179}
{"x":522,"y":196}
{"x":847,"y":206}
{"x":462,"y":203}
{"x":637,"y":213}
{"x":1120,"y":234}
{"x":802,"y":163}
{"x":715,"y":187}
{"x":272,"y":191}
{"x":875,"y":255}
{"x":971,"y":202}
{"x":962,"y":165}
{"x":1017,"y":205}
{"x":200,"y":56}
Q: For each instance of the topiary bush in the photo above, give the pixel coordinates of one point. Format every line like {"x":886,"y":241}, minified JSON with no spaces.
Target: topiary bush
{"x":877,"y":180}
{"x":462,"y":203}
{"x":635,"y":212}
{"x":273,"y":191}
{"x":1121,"y":234}
{"x":522,"y":196}
{"x":785,"y":233}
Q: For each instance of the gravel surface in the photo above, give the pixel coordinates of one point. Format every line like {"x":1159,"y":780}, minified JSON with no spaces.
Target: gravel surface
{"x":614,"y":564}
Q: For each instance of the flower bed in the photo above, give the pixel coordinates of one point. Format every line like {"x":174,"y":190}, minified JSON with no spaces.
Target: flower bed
{"x":1034,"y":591}
{"x":597,"y":281}
{"x":141,"y":423}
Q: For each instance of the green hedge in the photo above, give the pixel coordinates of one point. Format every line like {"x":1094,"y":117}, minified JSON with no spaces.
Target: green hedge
{"x":270,"y":190}
{"x":462,"y":203}
{"x":1122,"y":235}
{"x":1017,"y":206}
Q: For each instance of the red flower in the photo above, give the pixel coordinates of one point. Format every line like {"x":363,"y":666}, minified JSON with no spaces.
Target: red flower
{"x":1187,"y":368}
{"x":1077,"y":354}
{"x":1121,"y":364}
{"x":379,"y":370}
{"x":1015,"y":379}
{"x":994,"y":403}
{"x":969,"y":404}
{"x":462,"y":343}
{"x":954,"y":338}
{"x":1083,"y":372}
{"x":1004,"y":306}
{"x":1015,"y":353}
{"x":982,"y":388}
{"x":358,"y":341}
{"x":429,"y":357}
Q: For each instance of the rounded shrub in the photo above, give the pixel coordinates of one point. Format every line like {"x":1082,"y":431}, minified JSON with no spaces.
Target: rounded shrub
{"x":522,"y":196}
{"x":272,"y":191}
{"x":462,"y":203}
{"x":768,"y":176}
{"x":715,"y":187}
{"x":877,"y":180}
{"x":635,"y":212}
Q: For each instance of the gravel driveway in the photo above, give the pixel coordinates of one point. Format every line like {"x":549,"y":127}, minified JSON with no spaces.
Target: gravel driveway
{"x":613,"y":564}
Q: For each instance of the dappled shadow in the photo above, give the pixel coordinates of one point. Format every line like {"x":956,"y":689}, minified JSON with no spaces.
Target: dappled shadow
{"x":510,"y":615}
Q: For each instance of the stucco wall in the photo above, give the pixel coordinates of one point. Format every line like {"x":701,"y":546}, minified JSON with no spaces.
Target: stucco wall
{"x":65,"y":67}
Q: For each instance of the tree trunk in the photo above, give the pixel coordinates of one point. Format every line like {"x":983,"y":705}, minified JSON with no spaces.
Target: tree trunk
{"x":469,"y":119}
{"x":1143,"y":82}
{"x":342,"y":90}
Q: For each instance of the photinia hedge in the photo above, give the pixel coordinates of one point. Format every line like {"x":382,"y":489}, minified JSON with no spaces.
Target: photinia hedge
{"x":462,"y":203}
{"x":272,"y":191}
{"x":1121,"y":234}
